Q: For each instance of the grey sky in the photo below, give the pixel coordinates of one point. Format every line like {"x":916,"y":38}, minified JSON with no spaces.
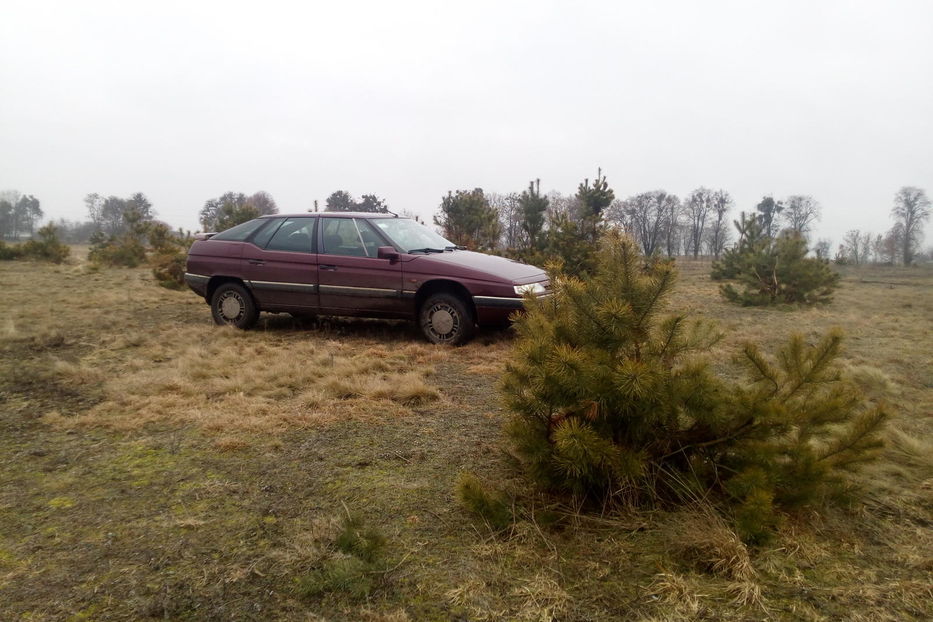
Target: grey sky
{"x":184,"y":101}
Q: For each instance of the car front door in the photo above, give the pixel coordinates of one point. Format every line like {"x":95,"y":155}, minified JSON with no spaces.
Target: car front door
{"x":281,"y":265}
{"x":351,"y":278}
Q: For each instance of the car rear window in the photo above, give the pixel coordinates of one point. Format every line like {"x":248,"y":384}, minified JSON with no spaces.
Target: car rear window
{"x":241,"y":231}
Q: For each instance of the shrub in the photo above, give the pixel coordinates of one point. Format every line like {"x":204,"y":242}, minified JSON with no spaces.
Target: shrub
{"x":124,"y":250}
{"x":169,"y":269}
{"x":169,"y":255}
{"x":491,"y":507}
{"x":8,"y":253}
{"x":347,"y":575}
{"x":168,"y":249}
{"x":773,"y":270}
{"x":351,"y":564}
{"x":355,"y":538}
{"x":46,"y":248}
{"x":127,"y":249}
{"x":612,"y":400}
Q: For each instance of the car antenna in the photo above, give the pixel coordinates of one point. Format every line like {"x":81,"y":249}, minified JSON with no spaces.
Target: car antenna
{"x":388,"y":211}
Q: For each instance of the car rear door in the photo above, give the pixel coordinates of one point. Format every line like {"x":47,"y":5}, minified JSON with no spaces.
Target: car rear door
{"x":281,"y":265}
{"x":352,"y":279}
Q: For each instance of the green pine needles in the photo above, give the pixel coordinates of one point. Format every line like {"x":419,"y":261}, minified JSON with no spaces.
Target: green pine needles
{"x":612,"y":400}
{"x":773,"y":270}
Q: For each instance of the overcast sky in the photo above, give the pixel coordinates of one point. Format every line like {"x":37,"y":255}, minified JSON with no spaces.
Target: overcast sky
{"x":407,"y":100}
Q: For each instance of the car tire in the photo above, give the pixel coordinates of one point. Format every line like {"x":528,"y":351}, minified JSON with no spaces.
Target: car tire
{"x":446,"y":319}
{"x":232,"y":305}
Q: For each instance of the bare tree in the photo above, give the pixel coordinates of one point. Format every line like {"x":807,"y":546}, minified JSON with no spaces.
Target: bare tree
{"x":563,"y":205}
{"x":95,"y":204}
{"x":111,"y":214}
{"x":697,"y":208}
{"x":510,"y":218}
{"x":800,"y":212}
{"x":885,"y":248}
{"x":821,"y":248}
{"x":911,"y":209}
{"x":718,"y":233}
{"x":856,"y":247}
{"x":672,"y":226}
{"x":891,"y":244}
{"x":643,"y":216}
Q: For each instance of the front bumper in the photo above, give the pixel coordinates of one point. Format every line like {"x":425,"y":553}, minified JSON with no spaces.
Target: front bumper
{"x":497,"y":309}
{"x":499,"y":302}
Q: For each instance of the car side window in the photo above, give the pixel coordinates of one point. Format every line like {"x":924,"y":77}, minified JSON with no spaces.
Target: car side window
{"x":262,"y":237}
{"x":342,"y":237}
{"x":371,"y":238}
{"x":293,"y":235}
{"x":240,"y":232}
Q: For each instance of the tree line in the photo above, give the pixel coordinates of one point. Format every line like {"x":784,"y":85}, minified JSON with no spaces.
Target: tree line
{"x":530,"y":224}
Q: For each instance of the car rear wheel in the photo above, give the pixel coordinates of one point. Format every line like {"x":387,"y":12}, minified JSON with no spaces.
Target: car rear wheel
{"x":232,"y":304}
{"x":446,"y":319}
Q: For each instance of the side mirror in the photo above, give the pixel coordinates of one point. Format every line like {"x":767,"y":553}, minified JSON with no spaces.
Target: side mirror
{"x":387,"y":252}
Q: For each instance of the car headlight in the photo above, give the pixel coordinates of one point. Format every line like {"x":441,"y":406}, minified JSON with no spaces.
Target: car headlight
{"x":529,"y":288}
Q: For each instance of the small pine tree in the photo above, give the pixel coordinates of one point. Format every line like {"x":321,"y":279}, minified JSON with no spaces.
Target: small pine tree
{"x":533,"y":208}
{"x":594,"y":199}
{"x":609,"y":396}
{"x":490,"y":506}
{"x":169,"y":255}
{"x":752,"y":241}
{"x":773,"y":270}
{"x":566,"y":248}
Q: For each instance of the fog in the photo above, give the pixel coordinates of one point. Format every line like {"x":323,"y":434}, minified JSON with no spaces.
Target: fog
{"x":407,"y":100}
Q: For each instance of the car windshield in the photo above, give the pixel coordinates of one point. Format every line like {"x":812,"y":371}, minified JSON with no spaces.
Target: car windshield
{"x":410,"y":236}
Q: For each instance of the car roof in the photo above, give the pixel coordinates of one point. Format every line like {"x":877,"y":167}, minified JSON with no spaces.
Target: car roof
{"x":333,"y":215}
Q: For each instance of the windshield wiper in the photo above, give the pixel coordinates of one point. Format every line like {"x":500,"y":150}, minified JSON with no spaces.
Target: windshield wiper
{"x":426,"y":250}
{"x":455,"y":247}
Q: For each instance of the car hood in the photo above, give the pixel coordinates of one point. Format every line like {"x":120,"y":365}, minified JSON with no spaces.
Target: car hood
{"x":479,"y":265}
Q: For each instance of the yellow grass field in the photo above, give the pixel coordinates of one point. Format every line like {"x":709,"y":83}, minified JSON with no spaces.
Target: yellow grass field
{"x":154,"y":466}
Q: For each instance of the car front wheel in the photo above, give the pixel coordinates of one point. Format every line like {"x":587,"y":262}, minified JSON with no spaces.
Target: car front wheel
{"x":445,"y":318}
{"x":232,"y":304}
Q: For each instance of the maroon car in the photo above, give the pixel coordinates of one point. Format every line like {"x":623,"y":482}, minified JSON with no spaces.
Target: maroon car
{"x":364,"y":264}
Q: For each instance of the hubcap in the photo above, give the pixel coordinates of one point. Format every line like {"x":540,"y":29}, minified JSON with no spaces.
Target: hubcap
{"x":231,"y":306}
{"x":442,"y":321}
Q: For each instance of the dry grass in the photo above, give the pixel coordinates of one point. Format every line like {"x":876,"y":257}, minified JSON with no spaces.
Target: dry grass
{"x":225,"y":381}
{"x":156,"y":467}
{"x":700,"y":537}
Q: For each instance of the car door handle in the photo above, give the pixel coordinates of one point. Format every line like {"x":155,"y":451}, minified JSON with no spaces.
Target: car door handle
{"x":256,"y":262}
{"x":330,"y":267}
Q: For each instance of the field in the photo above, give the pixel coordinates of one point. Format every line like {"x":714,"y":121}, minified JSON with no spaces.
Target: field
{"x":154,"y":466}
